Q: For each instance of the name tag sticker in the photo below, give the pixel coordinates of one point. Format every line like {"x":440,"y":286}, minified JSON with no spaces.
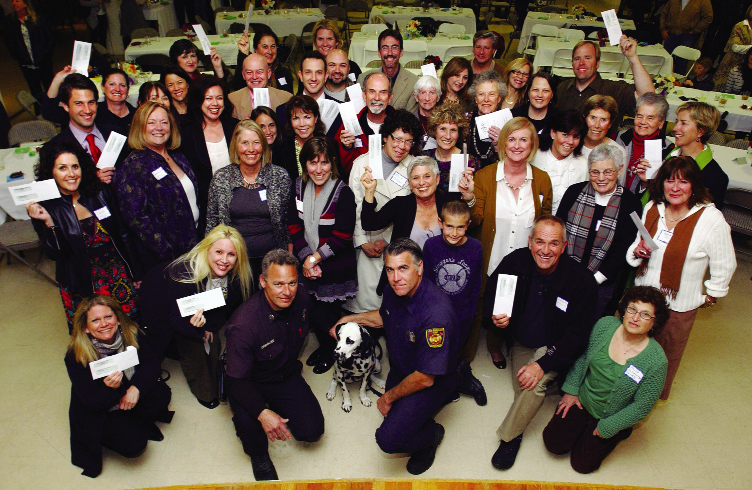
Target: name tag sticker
{"x":358,"y":143}
{"x":282,"y":81}
{"x":664,"y":236}
{"x":299,"y":205}
{"x":562,"y":304}
{"x":398,"y":179}
{"x":634,"y":373}
{"x":597,"y":225}
{"x":262,"y":194}
{"x":159,"y":173}
{"x":102,"y":213}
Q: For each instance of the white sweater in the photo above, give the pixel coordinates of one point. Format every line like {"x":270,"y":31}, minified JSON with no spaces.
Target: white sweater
{"x":710,"y":246}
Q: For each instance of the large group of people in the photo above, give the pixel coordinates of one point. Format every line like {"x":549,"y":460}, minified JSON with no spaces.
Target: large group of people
{"x":303,"y":227}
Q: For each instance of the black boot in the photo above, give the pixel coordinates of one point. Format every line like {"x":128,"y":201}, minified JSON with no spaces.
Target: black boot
{"x":469,"y":384}
{"x":263,"y":468}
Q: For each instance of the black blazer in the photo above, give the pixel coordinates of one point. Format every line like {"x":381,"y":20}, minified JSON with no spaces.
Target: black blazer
{"x":42,"y":42}
{"x":193,"y":147}
{"x":284,"y":156}
{"x":399,"y":212}
{"x":106,"y":118}
{"x":66,"y":135}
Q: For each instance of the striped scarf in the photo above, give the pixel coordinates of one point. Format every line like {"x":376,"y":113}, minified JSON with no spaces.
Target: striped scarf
{"x":579,"y":221}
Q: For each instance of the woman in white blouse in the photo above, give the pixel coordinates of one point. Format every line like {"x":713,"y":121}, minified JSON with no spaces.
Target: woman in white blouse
{"x":206,"y":137}
{"x":505,"y":198}
{"x":692,"y":236}
{"x":560,"y":154}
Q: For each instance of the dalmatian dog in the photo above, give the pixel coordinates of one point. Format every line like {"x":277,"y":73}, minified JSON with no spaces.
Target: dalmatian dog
{"x":356,"y":362}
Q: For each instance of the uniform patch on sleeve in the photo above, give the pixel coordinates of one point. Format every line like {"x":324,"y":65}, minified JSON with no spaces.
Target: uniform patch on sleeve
{"x":435,"y":337}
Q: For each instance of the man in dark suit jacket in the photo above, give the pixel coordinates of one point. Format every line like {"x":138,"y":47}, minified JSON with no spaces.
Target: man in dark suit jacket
{"x":78,"y":95}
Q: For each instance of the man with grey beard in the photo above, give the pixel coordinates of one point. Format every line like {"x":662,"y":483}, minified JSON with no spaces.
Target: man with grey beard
{"x":377,"y":92}
{"x":338,"y":75}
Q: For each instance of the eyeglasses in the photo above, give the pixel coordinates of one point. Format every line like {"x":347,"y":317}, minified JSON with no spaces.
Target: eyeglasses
{"x":385,"y":48}
{"x":402,"y":142}
{"x":643,"y":314}
{"x":518,"y":73}
{"x":606,"y":173}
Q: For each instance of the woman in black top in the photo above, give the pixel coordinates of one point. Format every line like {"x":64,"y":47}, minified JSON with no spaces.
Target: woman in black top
{"x":115,"y":110}
{"x":177,"y":82}
{"x":265,"y":43}
{"x":538,"y":108}
{"x":34,"y":59}
{"x":303,"y":123}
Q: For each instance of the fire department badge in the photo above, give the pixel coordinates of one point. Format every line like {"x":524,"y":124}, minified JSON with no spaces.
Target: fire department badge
{"x":435,"y":337}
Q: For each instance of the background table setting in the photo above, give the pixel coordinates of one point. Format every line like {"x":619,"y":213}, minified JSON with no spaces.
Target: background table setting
{"x":739,"y":117}
{"x":563,"y":20}
{"x":364,"y":45}
{"x":282,"y":22}
{"x":226,"y":46}
{"x":164,"y":13}
{"x":13,"y":160}
{"x":455,"y":15}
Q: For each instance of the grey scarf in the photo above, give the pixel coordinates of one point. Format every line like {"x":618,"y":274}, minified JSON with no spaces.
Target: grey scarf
{"x":313,"y":208}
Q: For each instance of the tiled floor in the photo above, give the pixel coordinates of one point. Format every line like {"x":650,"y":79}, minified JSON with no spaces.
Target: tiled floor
{"x":701,"y":439}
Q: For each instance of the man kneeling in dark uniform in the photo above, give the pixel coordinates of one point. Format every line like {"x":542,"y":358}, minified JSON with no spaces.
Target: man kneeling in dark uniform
{"x":422,"y":337}
{"x":266,"y":391}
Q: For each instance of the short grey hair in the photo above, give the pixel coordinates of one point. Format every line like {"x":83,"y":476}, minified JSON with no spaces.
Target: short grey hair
{"x":485,"y":77}
{"x":606,"y":151}
{"x":278,"y":256}
{"x":427,"y":81}
{"x":376,"y":72}
{"x":423,"y":161}
{"x":656,"y":100}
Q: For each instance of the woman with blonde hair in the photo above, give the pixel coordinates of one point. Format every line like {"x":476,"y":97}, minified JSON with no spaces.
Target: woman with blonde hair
{"x":517,"y":78}
{"x":505,"y":198}
{"x":156,"y":188}
{"x":117,"y":411}
{"x":251,"y":195}
{"x":219,"y":261}
{"x":326,"y":37}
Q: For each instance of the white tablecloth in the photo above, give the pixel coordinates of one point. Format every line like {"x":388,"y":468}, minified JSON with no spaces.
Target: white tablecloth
{"x":463,"y":16}
{"x":562,"y":21}
{"x":740,"y":176}
{"x":14,"y":162}
{"x":164,"y":15}
{"x":738,"y":119}
{"x":283,"y":24}
{"x":547,"y":47}
{"x":437,"y":46}
{"x":227,"y":47}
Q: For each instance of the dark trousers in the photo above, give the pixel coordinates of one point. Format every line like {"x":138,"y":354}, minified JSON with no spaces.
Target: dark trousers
{"x":575,"y":433}
{"x":38,"y":79}
{"x":674,"y":40}
{"x":323,"y":317}
{"x":520,"y":6}
{"x":99,"y":34}
{"x":291,"y":399}
{"x":200,"y":368}
{"x":127,"y":431}
{"x":409,"y":426}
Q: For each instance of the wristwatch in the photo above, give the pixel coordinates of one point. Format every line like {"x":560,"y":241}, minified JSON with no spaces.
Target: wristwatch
{"x":312,"y":260}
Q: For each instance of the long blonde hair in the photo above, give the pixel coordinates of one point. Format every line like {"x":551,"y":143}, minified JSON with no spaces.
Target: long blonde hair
{"x":80,"y":342}
{"x":196,"y":261}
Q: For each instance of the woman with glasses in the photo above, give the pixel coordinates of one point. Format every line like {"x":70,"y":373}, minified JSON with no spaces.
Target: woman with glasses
{"x":517,"y":80}
{"x":599,"y":229}
{"x":692,"y":236}
{"x":614,"y":384}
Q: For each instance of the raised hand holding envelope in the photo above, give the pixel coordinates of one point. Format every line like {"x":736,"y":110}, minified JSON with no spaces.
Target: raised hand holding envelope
{"x":350,"y":118}
{"x":205,"y":44}
{"x":81,"y":55}
{"x":612,"y":26}
{"x":374,"y":156}
{"x":42,"y":190}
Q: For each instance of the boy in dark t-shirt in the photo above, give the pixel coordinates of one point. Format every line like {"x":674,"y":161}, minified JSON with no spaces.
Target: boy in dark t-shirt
{"x":453,"y":262}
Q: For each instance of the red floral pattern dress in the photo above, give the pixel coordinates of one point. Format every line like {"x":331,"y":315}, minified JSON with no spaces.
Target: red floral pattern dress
{"x":109,"y":274}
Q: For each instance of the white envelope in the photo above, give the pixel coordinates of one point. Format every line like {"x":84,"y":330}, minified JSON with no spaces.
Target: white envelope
{"x":430,"y":144}
{"x":248,"y":17}
{"x":612,"y":26}
{"x":205,"y":44}
{"x":329,"y":110}
{"x":654,"y":155}
{"x":208,"y":300}
{"x":111,"y":150}
{"x":118,"y":362}
{"x":356,"y":97}
{"x":457,"y":167}
{"x":34,"y":191}
{"x":505,"y":288}
{"x":261,"y":97}
{"x":350,"y":118}
{"x":644,"y":233}
{"x":374,"y":156}
{"x":498,"y":119}
{"x":81,"y":55}
{"x":430,"y":70}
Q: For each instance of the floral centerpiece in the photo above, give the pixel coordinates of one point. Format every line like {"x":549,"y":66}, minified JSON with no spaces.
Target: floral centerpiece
{"x":664,"y":85}
{"x":267,"y":5}
{"x":433,"y":59}
{"x":412,"y":30}
{"x":578,"y":9}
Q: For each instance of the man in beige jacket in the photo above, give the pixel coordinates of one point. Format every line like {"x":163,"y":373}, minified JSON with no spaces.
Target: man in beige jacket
{"x":256,"y":73}
{"x":682,"y":22}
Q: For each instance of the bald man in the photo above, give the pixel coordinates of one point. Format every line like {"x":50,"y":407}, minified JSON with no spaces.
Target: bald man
{"x":256,"y":73}
{"x":338,"y":76}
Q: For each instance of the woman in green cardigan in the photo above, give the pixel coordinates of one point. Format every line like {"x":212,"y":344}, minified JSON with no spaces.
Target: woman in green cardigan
{"x":614,"y":384}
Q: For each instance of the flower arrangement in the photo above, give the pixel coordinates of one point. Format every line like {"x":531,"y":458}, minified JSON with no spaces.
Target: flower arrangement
{"x":412,"y":29}
{"x":664,"y":85}
{"x":578,"y":9}
{"x":267,"y":5}
{"x":435,"y":60}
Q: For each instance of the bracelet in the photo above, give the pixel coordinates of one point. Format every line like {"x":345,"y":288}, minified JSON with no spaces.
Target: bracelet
{"x":471,"y":203}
